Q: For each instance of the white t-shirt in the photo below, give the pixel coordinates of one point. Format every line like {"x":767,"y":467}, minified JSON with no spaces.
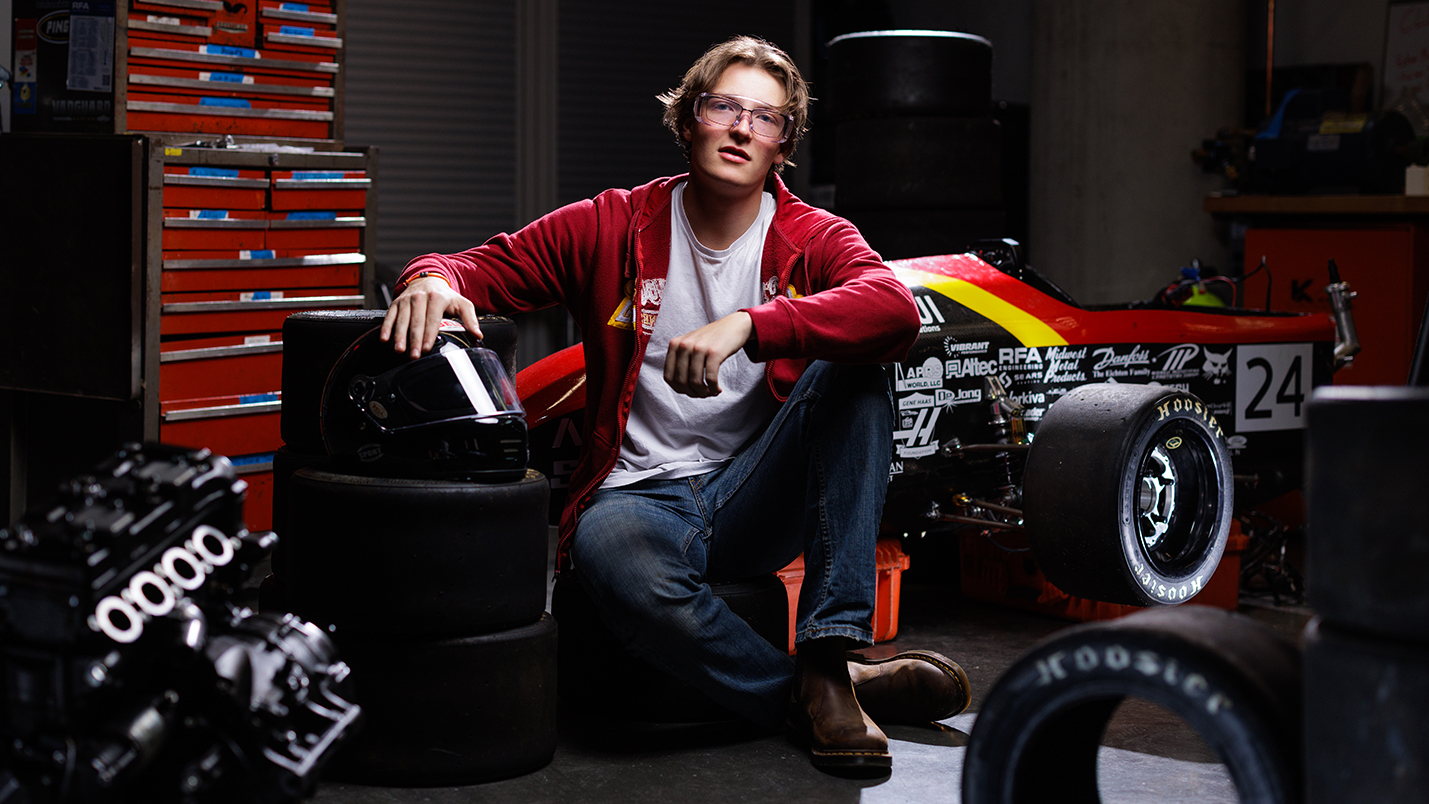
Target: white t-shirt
{"x":670,"y":435}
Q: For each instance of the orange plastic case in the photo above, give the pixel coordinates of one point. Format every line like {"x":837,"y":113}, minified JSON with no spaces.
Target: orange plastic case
{"x":1012,"y":579}
{"x":891,"y":561}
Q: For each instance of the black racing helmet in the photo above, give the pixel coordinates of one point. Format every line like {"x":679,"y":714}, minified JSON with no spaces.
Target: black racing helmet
{"x":452,"y":414}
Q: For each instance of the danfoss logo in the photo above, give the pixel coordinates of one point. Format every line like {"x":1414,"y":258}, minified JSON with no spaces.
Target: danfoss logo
{"x":54,"y":27}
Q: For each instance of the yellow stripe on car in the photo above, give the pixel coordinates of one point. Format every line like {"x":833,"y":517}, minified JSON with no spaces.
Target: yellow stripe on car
{"x":1022,"y":325}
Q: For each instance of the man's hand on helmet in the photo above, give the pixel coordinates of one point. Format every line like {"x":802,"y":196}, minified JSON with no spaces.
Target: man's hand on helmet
{"x":416,"y":315}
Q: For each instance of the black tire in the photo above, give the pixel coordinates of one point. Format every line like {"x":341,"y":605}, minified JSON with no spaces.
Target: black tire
{"x":312,"y":343}
{"x":1235,"y":682}
{"x":286,"y":462}
{"x":1368,"y":514}
{"x":1128,"y":494}
{"x":1366,"y":705}
{"x":451,"y":712}
{"x":417,"y":558}
{"x":912,"y":162}
{"x":901,"y":233}
{"x":891,"y":73}
{"x":599,"y":678}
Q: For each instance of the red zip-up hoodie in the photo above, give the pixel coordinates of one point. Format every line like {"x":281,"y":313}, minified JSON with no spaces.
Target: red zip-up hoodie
{"x":827,"y":296}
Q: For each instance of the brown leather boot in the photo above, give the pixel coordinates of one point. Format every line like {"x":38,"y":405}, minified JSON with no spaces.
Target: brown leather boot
{"x":917,"y":686}
{"x":824,"y":715}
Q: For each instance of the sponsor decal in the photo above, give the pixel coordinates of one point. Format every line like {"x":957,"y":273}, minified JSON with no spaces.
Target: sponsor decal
{"x":970,"y":367}
{"x":1107,"y":358}
{"x":919,"y":378}
{"x":952,"y":348}
{"x":1217,"y":368}
{"x":914,"y":439}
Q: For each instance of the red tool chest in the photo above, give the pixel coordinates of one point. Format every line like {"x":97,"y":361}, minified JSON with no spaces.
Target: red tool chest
{"x":241,"y":248}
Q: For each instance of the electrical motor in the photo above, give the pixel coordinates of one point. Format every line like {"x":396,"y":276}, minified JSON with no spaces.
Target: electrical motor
{"x":130,"y":672}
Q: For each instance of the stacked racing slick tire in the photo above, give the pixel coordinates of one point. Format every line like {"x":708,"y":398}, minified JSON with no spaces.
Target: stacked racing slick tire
{"x":437,"y":587}
{"x":1234,"y":681}
{"x":1367,"y":650}
{"x":918,"y":153}
{"x":599,"y":679}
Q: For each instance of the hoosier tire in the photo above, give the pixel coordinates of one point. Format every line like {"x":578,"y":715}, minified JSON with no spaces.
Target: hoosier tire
{"x":919,"y":162}
{"x":1366,"y":705}
{"x":312,"y":343}
{"x":1235,"y":682}
{"x":416,"y":558}
{"x":892,"y":73}
{"x":1127,"y":494}
{"x":452,"y":712}
{"x":1368,"y":516}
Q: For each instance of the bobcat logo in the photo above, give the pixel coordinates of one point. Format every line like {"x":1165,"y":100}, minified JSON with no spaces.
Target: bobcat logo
{"x":1217,"y":367}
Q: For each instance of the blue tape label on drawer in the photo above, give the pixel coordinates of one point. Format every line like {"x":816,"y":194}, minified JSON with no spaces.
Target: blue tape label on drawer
{"x":260,"y":295}
{"x":318,"y":175}
{"x":226,"y":78}
{"x":232,"y":103}
{"x":253,"y":399}
{"x":221,"y":173}
{"x":260,"y":254}
{"x":209,"y":214}
{"x":312,"y":216}
{"x":228,"y":50}
{"x":296,"y":30}
{"x":294,"y":7}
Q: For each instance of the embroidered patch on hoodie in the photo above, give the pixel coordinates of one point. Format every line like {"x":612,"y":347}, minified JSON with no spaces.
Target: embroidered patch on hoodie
{"x":650,"y":292}
{"x":624,"y":315}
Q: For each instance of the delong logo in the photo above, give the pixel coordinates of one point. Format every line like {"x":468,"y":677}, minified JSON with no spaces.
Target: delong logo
{"x":54,"y":27}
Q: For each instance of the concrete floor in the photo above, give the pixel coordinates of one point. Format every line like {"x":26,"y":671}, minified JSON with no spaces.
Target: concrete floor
{"x":1147,"y":754}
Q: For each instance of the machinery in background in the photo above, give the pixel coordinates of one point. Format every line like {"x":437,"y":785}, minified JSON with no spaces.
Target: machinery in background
{"x":130,"y":673}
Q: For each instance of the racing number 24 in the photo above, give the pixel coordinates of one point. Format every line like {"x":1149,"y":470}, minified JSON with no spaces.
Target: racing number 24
{"x":1285,"y":395}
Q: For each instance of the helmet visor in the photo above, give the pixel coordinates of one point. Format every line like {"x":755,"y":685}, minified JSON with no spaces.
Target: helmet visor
{"x":454,"y":383}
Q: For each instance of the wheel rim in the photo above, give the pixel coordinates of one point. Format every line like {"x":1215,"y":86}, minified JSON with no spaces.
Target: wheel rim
{"x":1177,"y":499}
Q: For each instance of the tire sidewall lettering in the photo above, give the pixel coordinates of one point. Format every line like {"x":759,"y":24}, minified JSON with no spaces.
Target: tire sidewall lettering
{"x":1071,"y":666}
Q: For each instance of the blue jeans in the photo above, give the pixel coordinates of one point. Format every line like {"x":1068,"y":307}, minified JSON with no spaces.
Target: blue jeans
{"x":812,"y":482}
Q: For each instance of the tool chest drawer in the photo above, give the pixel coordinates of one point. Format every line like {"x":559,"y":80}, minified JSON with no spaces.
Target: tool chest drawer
{"x":228,"y":311}
{"x":315,"y":15}
{"x":320,"y":189}
{"x":234,"y":365}
{"x":210,"y":229}
{"x":313,"y":230}
{"x":194,"y":187}
{"x":226,"y":425}
{"x":269,"y":269}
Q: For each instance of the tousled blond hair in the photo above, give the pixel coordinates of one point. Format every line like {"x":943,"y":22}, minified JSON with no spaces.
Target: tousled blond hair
{"x":705,"y":73}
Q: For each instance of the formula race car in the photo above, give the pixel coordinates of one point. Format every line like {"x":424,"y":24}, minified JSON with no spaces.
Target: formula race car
{"x":1116,"y":441}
